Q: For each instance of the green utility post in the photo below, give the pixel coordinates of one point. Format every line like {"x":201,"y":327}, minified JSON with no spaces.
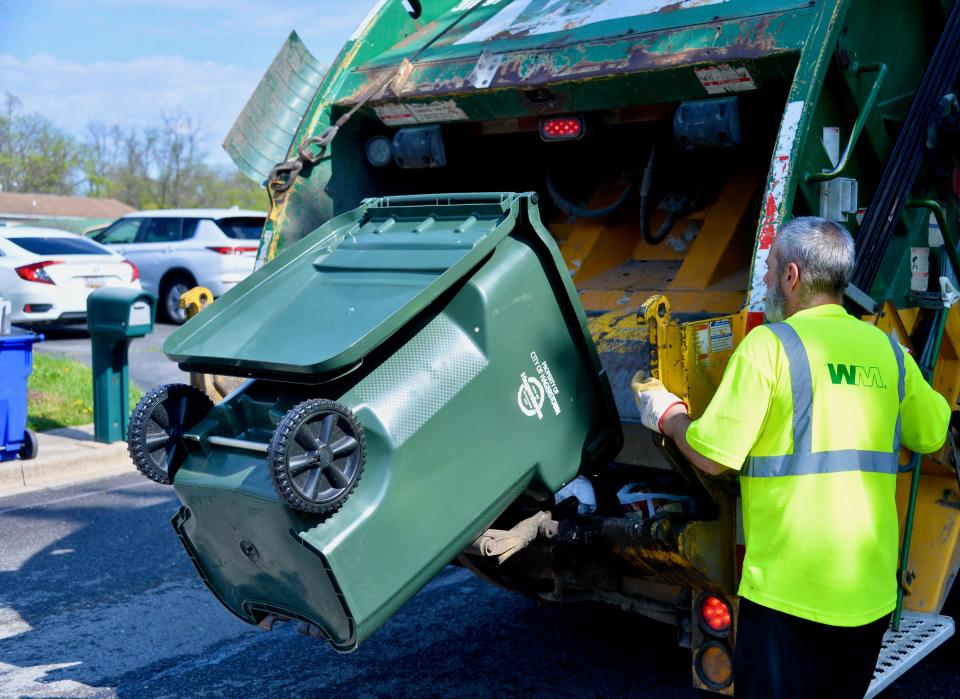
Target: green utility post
{"x":114,"y":317}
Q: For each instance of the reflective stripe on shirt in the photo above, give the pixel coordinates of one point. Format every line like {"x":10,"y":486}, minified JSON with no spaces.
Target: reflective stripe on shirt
{"x":804,"y":461}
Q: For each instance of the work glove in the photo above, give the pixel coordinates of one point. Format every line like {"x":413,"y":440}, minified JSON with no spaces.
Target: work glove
{"x":653,"y":400}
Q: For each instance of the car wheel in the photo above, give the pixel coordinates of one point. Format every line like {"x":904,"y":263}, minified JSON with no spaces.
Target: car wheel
{"x":173,"y":288}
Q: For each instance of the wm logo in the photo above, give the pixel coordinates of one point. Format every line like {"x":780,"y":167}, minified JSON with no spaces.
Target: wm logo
{"x":856,"y":375}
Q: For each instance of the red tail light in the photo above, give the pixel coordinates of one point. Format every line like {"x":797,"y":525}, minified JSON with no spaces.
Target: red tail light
{"x":231,"y":250}
{"x":37,"y":271}
{"x":135,"y":273}
{"x":715,"y":613}
{"x":568,"y":128}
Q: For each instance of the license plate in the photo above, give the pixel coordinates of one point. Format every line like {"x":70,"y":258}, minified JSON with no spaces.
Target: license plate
{"x":95,"y":282}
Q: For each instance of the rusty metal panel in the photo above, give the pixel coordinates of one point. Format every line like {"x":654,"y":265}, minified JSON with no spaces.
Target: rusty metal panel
{"x":515,"y":25}
{"x":782,"y":181}
{"x":935,"y":548}
{"x":728,"y":43}
{"x":622,"y":344}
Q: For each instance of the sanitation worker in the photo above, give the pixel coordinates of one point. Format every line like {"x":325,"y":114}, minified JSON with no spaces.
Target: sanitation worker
{"x":811,"y":411}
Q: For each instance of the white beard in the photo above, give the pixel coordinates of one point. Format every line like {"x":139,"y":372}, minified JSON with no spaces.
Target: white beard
{"x":775,"y":304}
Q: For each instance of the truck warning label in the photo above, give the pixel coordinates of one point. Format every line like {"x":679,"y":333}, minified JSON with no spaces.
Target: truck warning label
{"x":405,"y":113}
{"x":536,"y":391}
{"x":723,"y":77}
{"x":721,"y":335}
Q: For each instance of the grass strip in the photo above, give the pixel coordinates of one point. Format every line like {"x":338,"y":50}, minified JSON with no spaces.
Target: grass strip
{"x":60,"y":393}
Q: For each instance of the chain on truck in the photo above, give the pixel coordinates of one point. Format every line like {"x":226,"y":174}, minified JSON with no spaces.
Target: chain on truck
{"x":415,"y":329}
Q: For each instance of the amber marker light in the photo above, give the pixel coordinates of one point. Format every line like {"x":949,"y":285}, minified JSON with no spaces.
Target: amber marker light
{"x":714,"y":665}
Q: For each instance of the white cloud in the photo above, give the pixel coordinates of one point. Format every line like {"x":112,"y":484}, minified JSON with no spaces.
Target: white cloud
{"x":202,"y":73}
{"x":71,"y":94}
{"x":324,"y":25}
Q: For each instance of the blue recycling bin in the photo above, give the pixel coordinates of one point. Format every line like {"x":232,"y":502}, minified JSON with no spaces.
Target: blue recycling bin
{"x":16,"y":363}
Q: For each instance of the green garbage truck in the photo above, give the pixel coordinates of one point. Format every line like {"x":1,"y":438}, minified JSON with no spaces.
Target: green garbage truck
{"x":485,"y":216}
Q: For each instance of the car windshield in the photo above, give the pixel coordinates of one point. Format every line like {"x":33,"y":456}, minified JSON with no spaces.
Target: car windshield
{"x":242,"y":227}
{"x":58,"y":246}
{"x":120,"y":232}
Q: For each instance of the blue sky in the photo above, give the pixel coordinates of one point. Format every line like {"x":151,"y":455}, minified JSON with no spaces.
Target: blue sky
{"x":123,"y":61}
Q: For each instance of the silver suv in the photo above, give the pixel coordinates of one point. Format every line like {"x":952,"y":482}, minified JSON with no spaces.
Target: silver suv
{"x":178,"y":249}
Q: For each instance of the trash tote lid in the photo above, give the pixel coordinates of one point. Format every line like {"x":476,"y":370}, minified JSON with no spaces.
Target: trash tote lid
{"x":19,"y":339}
{"x":320,"y":306}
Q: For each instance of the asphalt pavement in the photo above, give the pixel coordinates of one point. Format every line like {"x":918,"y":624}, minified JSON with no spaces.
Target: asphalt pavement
{"x":97,"y":599}
{"x":148,"y":365}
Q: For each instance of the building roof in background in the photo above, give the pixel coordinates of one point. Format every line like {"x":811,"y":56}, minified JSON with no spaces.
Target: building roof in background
{"x":53,"y":205}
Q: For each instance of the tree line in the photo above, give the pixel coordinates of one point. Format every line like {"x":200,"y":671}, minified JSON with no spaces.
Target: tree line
{"x":158,"y":166}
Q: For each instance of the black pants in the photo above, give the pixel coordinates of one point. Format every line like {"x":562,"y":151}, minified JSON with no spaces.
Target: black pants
{"x":780,"y":656}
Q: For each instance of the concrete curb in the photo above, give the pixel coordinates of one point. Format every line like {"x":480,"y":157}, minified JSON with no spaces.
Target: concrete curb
{"x":65,"y":455}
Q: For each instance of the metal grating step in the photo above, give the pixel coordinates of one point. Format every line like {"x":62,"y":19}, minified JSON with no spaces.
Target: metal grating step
{"x":918,"y":636}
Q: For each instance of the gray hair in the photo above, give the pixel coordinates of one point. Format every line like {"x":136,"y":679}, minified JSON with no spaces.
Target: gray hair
{"x":822,"y":249}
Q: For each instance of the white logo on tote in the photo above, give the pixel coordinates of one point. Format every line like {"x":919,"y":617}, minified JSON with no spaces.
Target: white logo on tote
{"x":530,"y":396}
{"x":536,"y":390}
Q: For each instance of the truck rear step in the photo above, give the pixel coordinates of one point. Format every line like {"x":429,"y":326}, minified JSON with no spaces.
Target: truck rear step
{"x":919,"y":635}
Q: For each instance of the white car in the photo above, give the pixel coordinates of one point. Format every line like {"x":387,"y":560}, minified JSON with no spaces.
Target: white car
{"x":178,"y":249}
{"x":47,"y":274}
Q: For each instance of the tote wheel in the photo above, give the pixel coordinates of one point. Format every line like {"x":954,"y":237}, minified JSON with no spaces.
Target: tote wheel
{"x":156,"y":425}
{"x":316,"y":456}
{"x":29,"y":447}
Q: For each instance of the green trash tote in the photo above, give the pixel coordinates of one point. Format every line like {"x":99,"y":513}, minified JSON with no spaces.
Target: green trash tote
{"x":447,"y":328}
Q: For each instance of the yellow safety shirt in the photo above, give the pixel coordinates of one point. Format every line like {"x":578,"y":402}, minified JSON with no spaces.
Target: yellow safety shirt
{"x":812,"y":412}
